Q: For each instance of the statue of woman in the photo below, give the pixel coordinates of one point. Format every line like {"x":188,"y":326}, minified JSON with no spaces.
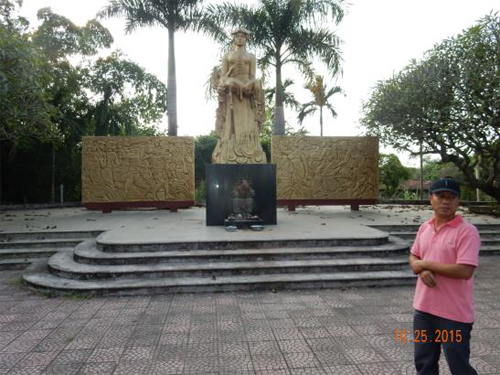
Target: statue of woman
{"x":241,"y":114}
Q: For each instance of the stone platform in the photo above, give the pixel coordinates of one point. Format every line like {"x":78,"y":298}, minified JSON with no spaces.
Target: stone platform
{"x":151,"y":263}
{"x":163,"y":252}
{"x":297,"y":253}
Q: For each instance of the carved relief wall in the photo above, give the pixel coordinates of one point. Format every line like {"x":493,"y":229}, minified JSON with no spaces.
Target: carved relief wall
{"x":137,"y":169}
{"x":326,"y":167}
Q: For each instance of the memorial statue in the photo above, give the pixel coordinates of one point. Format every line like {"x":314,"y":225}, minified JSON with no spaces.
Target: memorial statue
{"x":241,"y":113}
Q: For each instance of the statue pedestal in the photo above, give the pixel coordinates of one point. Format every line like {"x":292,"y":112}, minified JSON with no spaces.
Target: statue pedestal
{"x":240,"y":192}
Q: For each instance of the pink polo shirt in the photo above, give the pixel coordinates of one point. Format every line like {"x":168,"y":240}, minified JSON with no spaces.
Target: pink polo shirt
{"x":455,"y":242}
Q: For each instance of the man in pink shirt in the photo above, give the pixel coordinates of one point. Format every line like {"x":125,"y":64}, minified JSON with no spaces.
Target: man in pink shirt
{"x":444,"y":256}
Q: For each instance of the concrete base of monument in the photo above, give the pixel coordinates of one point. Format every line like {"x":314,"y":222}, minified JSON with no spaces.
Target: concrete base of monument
{"x":144,"y":252}
{"x":296,"y":254}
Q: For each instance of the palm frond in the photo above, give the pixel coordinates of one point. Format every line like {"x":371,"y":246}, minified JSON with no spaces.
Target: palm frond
{"x":331,"y":109}
{"x":321,"y":10}
{"x":306,"y":44}
{"x":306,"y":110}
{"x":334,"y":90}
{"x":179,"y":15}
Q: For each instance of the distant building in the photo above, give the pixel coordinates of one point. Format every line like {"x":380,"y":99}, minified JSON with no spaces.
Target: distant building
{"x":414,"y":185}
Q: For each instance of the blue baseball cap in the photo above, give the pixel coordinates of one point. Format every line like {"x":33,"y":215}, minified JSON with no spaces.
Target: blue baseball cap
{"x":445,"y":184}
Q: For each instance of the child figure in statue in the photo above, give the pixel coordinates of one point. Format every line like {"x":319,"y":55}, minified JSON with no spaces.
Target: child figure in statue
{"x":241,"y":114}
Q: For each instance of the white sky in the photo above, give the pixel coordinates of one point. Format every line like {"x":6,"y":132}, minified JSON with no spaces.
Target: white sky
{"x":380,"y":37}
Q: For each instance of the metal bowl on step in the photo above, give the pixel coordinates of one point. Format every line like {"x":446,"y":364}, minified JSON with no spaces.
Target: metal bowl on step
{"x":231,"y":228}
{"x":256,"y":227}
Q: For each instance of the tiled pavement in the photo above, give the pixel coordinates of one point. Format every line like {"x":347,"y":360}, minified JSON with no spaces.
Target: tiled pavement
{"x":301,"y":332}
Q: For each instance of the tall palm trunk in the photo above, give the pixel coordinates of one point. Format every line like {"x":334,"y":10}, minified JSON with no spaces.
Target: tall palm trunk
{"x":53,"y":179}
{"x":171,"y":86}
{"x":279,"y":113}
{"x":0,"y":172}
{"x":321,"y":120}
{"x":421,"y":173}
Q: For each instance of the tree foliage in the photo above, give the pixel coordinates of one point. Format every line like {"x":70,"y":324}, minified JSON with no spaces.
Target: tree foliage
{"x":392,"y":173}
{"x":284,"y":32}
{"x":129,"y":97}
{"x":53,"y":91}
{"x":321,"y":98}
{"x":60,"y":38}
{"x":24,"y":104}
{"x":174,"y":15}
{"x":449,"y":101}
{"x":204,"y":146}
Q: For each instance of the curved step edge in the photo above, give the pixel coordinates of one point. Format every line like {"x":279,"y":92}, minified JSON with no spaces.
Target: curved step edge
{"x":87,"y":252}
{"x":63,"y":265}
{"x":37,"y":278}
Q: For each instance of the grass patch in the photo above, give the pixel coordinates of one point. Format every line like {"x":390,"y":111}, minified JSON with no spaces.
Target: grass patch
{"x":77,"y":296}
{"x":46,"y":294}
{"x":17,"y":281}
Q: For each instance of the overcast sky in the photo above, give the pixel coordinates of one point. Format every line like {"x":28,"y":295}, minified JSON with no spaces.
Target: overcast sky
{"x":379,"y":37}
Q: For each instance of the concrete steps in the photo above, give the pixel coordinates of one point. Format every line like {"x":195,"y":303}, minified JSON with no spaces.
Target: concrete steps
{"x":36,"y":276}
{"x":490,"y":235}
{"x":22,"y":253}
{"x":489,"y":250}
{"x":102,"y":267}
{"x":19,"y":249}
{"x":15,"y":264}
{"x":20,"y":236}
{"x":391,"y":228}
{"x":88,"y":252}
{"x":111,"y":265}
{"x":63,"y":265}
{"x":45,"y":243}
{"x":140,"y":247}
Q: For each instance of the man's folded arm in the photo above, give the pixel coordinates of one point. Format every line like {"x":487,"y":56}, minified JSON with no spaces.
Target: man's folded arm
{"x":453,"y":271}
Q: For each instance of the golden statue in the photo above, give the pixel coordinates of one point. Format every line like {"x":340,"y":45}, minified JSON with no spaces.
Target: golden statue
{"x":241,"y":114}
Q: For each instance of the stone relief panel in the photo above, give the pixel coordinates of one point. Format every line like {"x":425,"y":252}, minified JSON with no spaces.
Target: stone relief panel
{"x":326,"y":167}
{"x":137,"y":169}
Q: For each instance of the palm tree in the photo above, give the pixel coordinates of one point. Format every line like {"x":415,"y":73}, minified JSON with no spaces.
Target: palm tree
{"x":174,"y":15}
{"x":321,"y":99}
{"x":284,"y":31}
{"x":289,"y":99}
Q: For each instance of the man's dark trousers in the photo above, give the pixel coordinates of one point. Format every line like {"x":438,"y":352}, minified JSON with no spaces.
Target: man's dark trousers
{"x":457,"y":353}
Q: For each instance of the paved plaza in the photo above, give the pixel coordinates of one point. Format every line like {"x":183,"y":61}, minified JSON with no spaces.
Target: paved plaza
{"x":348,"y":331}
{"x":337,"y":331}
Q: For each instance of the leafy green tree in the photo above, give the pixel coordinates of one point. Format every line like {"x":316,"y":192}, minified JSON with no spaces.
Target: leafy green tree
{"x":434,"y":169}
{"x":130,"y":98}
{"x":58,"y":68}
{"x":447,"y":104}
{"x":59,"y":38}
{"x":285,"y":32}
{"x":204,"y":146}
{"x":9,"y":14}
{"x":322,"y":97}
{"x":174,"y":15}
{"x":392,"y":173}
{"x":24,"y":104}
